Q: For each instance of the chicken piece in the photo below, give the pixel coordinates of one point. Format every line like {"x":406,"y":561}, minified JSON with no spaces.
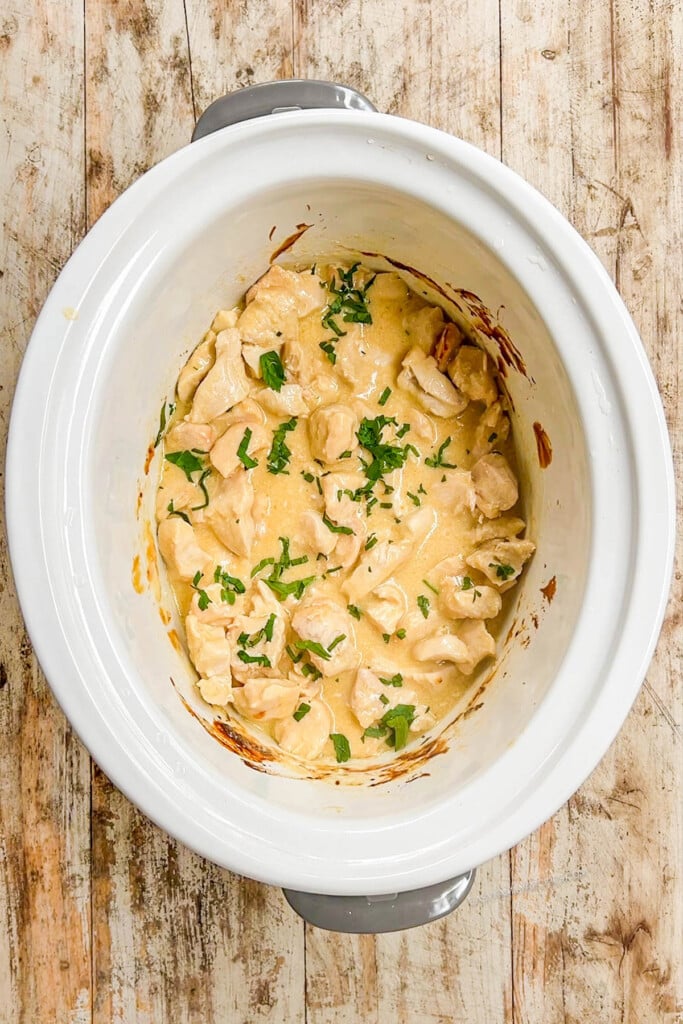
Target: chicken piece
{"x":321,"y":390}
{"x":455,"y":493}
{"x":229,"y":513}
{"x":382,"y":560}
{"x":421,"y":377}
{"x":495,"y":484}
{"x":503,"y":560}
{"x":366,"y":691}
{"x":460,"y":598}
{"x":343,"y":512}
{"x":179,"y":548}
{"x":389,"y":287}
{"x":422,"y":426}
{"x":297,"y":361}
{"x":358,"y":363}
{"x":323,"y":621}
{"x":249,"y":635}
{"x":466,"y":650}
{"x":266,"y":698}
{"x":226,"y":382}
{"x":332,"y":431}
{"x":472,"y":373}
{"x":217,"y":612}
{"x":493,"y":428}
{"x":307,"y":737}
{"x":186,"y":436}
{"x":453,"y":565}
{"x":177,"y":488}
{"x":314,"y":535}
{"x":208,"y":646}
{"x":386,"y":606}
{"x":247,"y":412}
{"x":225,"y":318}
{"x":224,"y":453}
{"x":288,"y":401}
{"x":446,"y":345}
{"x":251,"y":354}
{"x":424,"y":326}
{"x":276,"y":303}
{"x":216,"y":690}
{"x":197,"y":366}
{"x":501,"y":528}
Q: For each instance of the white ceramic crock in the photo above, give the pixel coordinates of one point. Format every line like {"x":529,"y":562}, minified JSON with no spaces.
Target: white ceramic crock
{"x":189,"y":237}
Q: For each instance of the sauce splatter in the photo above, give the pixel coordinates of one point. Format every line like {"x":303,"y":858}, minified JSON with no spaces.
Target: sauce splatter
{"x":138,"y":585}
{"x":301,"y":229}
{"x":175,"y":640}
{"x":149,"y":457}
{"x":151,"y":558}
{"x":138,"y":505}
{"x":543,"y":446}
{"x":164,"y":616}
{"x":272,"y":232}
{"x":550,"y":589}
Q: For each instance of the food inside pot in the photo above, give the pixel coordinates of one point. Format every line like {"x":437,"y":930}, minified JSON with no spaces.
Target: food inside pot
{"x":339,"y":511}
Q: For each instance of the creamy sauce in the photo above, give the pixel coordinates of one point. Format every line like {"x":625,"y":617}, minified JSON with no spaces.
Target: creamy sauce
{"x":388,"y":483}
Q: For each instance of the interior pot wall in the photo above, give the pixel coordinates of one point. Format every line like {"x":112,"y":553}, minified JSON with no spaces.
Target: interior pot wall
{"x":159,"y":306}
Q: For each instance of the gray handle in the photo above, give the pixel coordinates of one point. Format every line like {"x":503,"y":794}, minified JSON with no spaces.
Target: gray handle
{"x":390,"y":913}
{"x":276,"y":98}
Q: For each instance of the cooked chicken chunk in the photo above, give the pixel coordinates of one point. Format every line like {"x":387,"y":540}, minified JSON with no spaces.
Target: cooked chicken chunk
{"x":492,"y":430}
{"x":208,"y":646}
{"x":266,"y":698}
{"x":495,"y":484}
{"x":307,"y":737}
{"x":343,"y":513}
{"x":288,"y":401}
{"x":184,"y":436}
{"x":226,"y":382}
{"x":463,"y":599}
{"x":424,"y":326}
{"x":322,"y":621}
{"x":456,"y":492}
{"x":224,"y":453}
{"x":225,"y":318}
{"x":357,"y":363}
{"x":197,"y":366}
{"x":466,"y":649}
{"x":216,"y":690}
{"x":421,"y":378}
{"x":313,"y":535}
{"x":382,"y":560}
{"x":386,"y":606}
{"x":258,"y":639}
{"x":366,"y":692}
{"x":503,"y":560}
{"x":176,"y":488}
{"x":247,"y":412}
{"x":332,"y":432}
{"x":217,"y":611}
{"x":500,"y":528}
{"x":472,"y":373}
{"x":229,"y":513}
{"x":179,"y":548}
{"x":275,"y":305}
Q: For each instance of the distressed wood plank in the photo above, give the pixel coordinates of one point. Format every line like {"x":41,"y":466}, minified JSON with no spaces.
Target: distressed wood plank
{"x":175,"y":937}
{"x":44,"y":771}
{"x":235,"y":44}
{"x":418,"y":62}
{"x":589,"y":87}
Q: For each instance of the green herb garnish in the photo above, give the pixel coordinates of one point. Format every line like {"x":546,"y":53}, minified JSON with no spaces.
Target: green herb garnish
{"x":337,"y":640}
{"x":334,"y":528}
{"x":272,"y":370}
{"x":423,"y":605}
{"x":242,"y":455}
{"x":371,"y":541}
{"x":503,"y":572}
{"x":401,"y":634}
{"x":436,"y":461}
{"x":311,"y":670}
{"x":279,"y":454}
{"x":329,"y":350}
{"x":414,"y":498}
{"x":342,"y":749}
{"x":163,"y":421}
{"x":301,"y":711}
{"x":204,"y":600}
{"x":355,"y":611}
{"x":293,"y":589}
{"x":202,"y":486}
{"x":384,"y":397}
{"x":396,"y":680}
{"x":177,"y":512}
{"x":187,"y":461}
{"x":429,"y":585}
{"x":254,"y":659}
{"x":314,"y":647}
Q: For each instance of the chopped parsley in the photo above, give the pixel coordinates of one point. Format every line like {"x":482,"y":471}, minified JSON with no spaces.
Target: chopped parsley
{"x":314,"y":647}
{"x":430,"y":587}
{"x":301,"y":712}
{"x":187,"y":461}
{"x":272,"y":370}
{"x":230,"y":585}
{"x":384,"y":397}
{"x":467,"y":584}
{"x":401,"y":634}
{"x":348,"y":301}
{"x":204,"y":600}
{"x":396,"y":680}
{"x":371,"y":541}
{"x":385,"y":457}
{"x":414,"y":498}
{"x":342,"y":749}
{"x":333,"y":527}
{"x":337,"y":640}
{"x":311,"y":670}
{"x":293,"y":589}
{"x":394,"y":726}
{"x":177,"y":512}
{"x":279,"y":454}
{"x":254,"y":659}
{"x":202,"y":487}
{"x":163,"y":420}
{"x":308,"y":477}
{"x":355,"y":611}
{"x":423,"y":605}
{"x":329,"y":350}
{"x":242,"y":455}
{"x":503,"y":572}
{"x":436,"y":461}
{"x":383,"y":699}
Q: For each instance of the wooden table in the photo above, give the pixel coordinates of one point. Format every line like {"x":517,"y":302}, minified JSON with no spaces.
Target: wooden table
{"x":104,"y":918}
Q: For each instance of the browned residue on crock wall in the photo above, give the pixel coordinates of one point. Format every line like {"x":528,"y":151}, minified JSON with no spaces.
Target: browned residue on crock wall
{"x":543,"y":446}
{"x":175,"y":640}
{"x":290,"y":240}
{"x":550,"y":589}
{"x":138,"y":585}
{"x":164,"y":616}
{"x":151,"y":558}
{"x":138,"y":505}
{"x":272,"y":232}
{"x":148,"y":458}
{"x":251,"y":753}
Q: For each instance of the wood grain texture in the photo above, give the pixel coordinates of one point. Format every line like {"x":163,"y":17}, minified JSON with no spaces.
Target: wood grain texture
{"x":107,"y":919}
